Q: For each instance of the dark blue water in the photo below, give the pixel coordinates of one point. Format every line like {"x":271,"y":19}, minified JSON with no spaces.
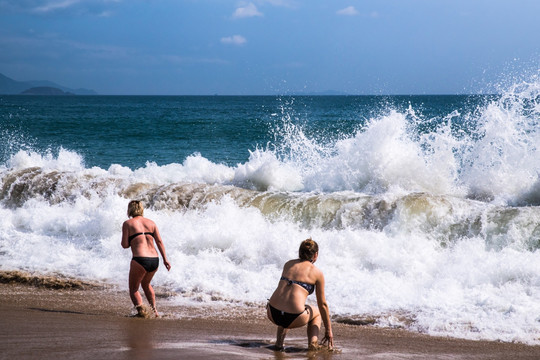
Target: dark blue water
{"x":134,"y":130}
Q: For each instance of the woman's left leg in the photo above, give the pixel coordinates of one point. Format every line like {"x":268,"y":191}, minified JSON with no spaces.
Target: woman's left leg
{"x":313,"y":326}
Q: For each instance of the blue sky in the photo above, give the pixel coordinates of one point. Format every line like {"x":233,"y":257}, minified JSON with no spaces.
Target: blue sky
{"x":200,"y":47}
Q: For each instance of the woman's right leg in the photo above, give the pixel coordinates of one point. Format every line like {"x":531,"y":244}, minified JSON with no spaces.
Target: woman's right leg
{"x":281,"y":331}
{"x":149,"y":291}
{"x":280,"y":337}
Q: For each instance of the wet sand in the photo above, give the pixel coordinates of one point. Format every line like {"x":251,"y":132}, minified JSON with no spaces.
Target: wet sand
{"x":94,"y":324}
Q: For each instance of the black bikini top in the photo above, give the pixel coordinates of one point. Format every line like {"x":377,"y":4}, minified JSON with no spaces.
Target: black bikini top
{"x":309,"y":287}
{"x":131,"y":237}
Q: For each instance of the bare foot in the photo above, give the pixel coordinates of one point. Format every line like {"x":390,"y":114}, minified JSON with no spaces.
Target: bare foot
{"x":280,"y":337}
{"x":141,"y":311}
{"x":314,"y":346}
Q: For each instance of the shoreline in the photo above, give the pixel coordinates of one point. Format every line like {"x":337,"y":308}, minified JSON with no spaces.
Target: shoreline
{"x":95,"y":323}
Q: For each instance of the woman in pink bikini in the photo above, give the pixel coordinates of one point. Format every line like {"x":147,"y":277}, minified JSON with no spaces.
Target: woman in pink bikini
{"x":287,"y":306}
{"x":139,"y":233}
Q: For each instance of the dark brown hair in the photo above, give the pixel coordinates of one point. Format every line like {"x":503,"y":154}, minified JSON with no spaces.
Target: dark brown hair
{"x":308,"y":249}
{"x":135,"y":208}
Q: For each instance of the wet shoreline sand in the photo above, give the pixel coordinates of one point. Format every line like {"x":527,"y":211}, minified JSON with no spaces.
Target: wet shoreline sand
{"x":94,"y":324}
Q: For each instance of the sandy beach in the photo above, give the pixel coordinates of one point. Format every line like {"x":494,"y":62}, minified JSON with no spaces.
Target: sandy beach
{"x":87,"y":323}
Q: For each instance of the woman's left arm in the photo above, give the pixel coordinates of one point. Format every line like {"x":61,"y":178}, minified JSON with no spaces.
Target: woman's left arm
{"x":161,"y":248}
{"x":324,"y":310}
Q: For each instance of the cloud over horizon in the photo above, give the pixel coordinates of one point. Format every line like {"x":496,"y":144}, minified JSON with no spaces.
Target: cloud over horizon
{"x":250,"y":10}
{"x":51,"y":7}
{"x":234,"y":40}
{"x":348,"y":11}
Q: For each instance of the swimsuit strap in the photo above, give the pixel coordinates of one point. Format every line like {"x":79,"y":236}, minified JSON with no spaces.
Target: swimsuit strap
{"x":131,"y":237}
{"x":141,"y":233}
{"x":308,"y":287}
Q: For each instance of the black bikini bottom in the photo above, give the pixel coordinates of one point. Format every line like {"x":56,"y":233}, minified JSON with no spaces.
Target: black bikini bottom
{"x":148,"y":263}
{"x":282,"y":318}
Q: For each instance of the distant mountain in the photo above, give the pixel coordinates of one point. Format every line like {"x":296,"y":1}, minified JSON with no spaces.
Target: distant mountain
{"x":317,"y":93}
{"x":45,"y":90}
{"x":12,"y":87}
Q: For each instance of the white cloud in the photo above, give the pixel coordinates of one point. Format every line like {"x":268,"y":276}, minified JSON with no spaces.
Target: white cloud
{"x":52,"y":7}
{"x":249,"y":10}
{"x":349,"y":11}
{"x":55,"y":5}
{"x":234,"y":40}
{"x":181,"y":60}
{"x":284,"y":3}
{"x":106,"y":14}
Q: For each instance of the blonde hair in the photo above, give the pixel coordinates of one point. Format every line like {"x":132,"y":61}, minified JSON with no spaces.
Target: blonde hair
{"x":135,"y":208}
{"x":308,"y":249}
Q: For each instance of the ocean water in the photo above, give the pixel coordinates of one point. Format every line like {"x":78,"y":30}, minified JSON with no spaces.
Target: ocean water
{"x":426,"y":208}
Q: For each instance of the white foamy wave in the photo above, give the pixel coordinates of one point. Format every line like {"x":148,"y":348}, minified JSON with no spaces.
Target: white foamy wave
{"x":65,"y":160}
{"x":385,"y":158}
{"x":382,"y":157}
{"x":224,"y":253}
{"x":423,"y":262}
{"x":491,"y":154}
{"x":264,"y":171}
{"x":195,"y":168}
{"x":504,"y":162}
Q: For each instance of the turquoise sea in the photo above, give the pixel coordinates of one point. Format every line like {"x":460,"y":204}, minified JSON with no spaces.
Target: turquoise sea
{"x":108,"y":130}
{"x":426,"y":208}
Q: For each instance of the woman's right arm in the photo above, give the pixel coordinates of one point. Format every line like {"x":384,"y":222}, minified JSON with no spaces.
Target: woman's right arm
{"x":324,"y":310}
{"x":125,"y":232}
